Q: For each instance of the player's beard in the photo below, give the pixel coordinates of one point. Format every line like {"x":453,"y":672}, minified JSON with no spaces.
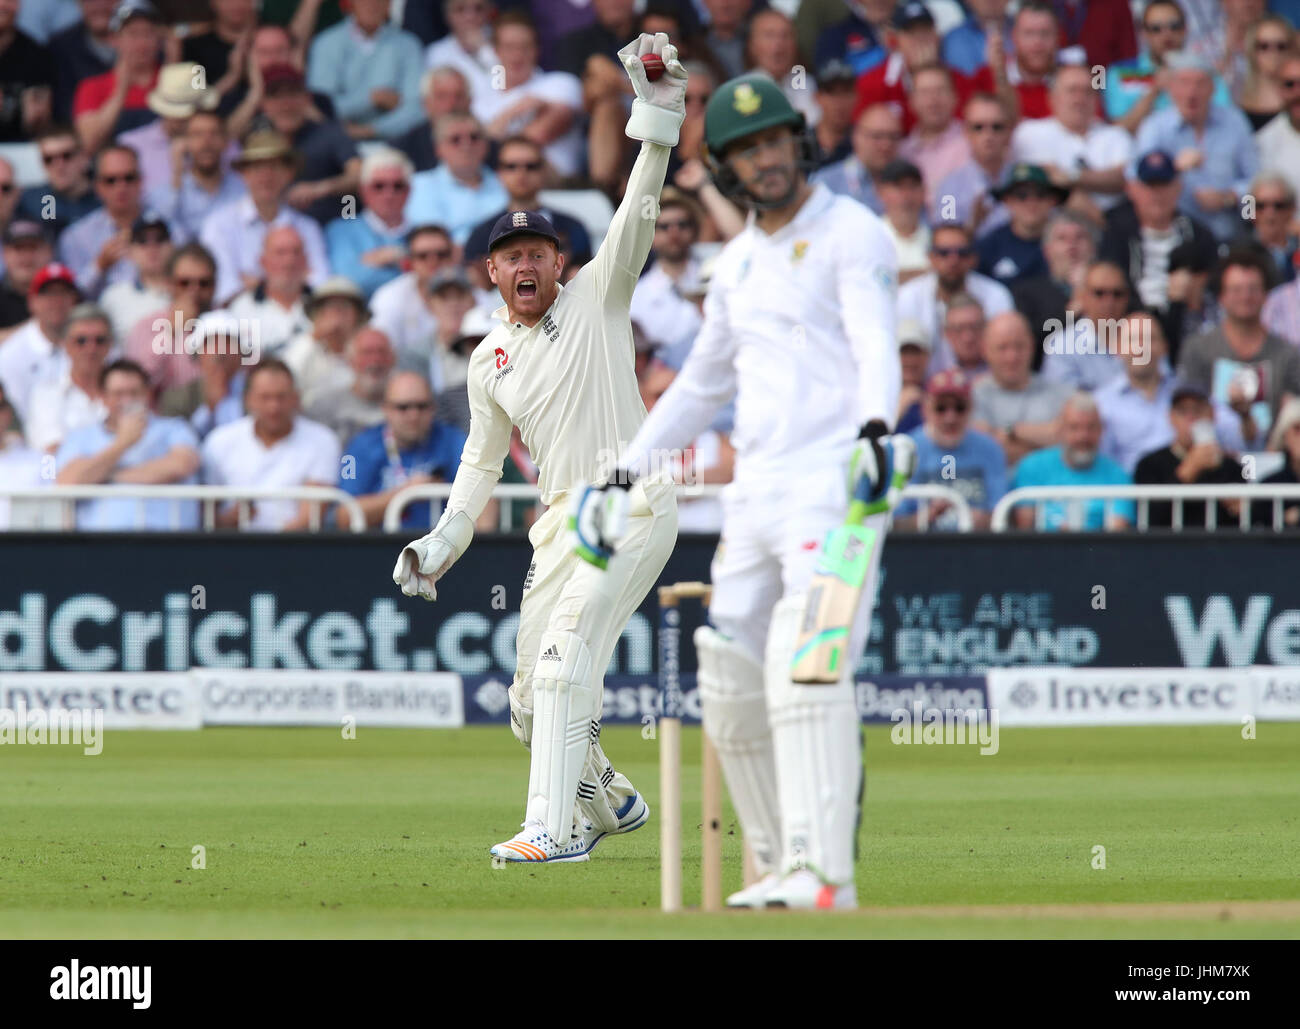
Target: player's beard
{"x":788,"y":172}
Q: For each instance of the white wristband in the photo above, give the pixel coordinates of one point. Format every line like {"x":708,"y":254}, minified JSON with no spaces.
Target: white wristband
{"x":652,"y":124}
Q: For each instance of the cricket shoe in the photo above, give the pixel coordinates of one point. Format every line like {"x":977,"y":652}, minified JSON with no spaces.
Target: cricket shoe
{"x":634,"y":813}
{"x":804,"y":890}
{"x":754,"y":895}
{"x":534,"y":844}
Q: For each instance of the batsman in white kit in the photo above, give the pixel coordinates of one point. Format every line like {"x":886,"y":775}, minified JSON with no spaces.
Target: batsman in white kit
{"x":561,"y":367}
{"x":799,"y":328}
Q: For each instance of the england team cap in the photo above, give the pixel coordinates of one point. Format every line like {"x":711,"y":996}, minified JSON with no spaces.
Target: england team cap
{"x":521,"y":223}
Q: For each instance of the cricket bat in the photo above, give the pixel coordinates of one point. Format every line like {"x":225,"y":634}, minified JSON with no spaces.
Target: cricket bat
{"x":838,"y":579}
{"x":833,"y":598}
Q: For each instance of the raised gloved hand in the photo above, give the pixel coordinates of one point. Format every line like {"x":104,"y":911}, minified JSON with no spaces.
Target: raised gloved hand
{"x":659,"y":107}
{"x":598,"y":521}
{"x":426,"y":560}
{"x":879,"y":467}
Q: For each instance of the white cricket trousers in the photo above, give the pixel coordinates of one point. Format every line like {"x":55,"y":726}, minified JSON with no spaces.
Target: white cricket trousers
{"x":564,"y":593}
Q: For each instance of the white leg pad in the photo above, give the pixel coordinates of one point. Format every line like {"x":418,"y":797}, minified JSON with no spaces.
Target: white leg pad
{"x":734,"y":710}
{"x":817,"y":739}
{"x":602,"y":791}
{"x":563,"y":711}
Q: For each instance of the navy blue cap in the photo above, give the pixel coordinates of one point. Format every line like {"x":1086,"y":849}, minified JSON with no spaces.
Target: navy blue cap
{"x":149,"y":220}
{"x":913,"y":12}
{"x":521,"y":223}
{"x":1156,"y":168}
{"x":1184,"y":388}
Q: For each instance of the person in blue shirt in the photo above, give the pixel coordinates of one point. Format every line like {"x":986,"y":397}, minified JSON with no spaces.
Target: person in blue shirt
{"x":965,"y":48}
{"x":408,"y":448}
{"x":1136,"y":87}
{"x":949,"y":453}
{"x":370,"y":249}
{"x":130,"y":445}
{"x":1077,"y":461}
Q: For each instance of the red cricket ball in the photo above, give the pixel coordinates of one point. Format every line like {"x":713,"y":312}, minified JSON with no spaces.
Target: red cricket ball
{"x":654,"y":66}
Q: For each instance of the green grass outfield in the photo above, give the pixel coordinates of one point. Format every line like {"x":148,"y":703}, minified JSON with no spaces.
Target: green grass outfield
{"x":310,"y":835}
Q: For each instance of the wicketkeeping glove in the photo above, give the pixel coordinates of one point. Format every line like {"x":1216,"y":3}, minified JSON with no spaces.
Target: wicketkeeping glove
{"x":426,"y":560}
{"x":598,"y":521}
{"x":659,"y":107}
{"x":879,"y":467}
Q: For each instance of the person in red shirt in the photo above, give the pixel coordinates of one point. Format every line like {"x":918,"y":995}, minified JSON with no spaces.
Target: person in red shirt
{"x":1103,"y":28}
{"x":1035,"y":42}
{"x":915,"y":46}
{"x":115,"y":101}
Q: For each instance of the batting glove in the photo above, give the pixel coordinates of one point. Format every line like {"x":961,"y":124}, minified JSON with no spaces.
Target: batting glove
{"x":598,"y":521}
{"x":879,"y":467}
{"x":422,"y":563}
{"x":659,"y":107}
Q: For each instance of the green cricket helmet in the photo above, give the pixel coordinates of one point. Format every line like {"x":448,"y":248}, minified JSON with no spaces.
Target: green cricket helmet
{"x":741,"y":107}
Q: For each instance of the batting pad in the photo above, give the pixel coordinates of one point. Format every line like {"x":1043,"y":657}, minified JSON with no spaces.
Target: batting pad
{"x":816,"y":738}
{"x":734,"y":710}
{"x":563,"y":710}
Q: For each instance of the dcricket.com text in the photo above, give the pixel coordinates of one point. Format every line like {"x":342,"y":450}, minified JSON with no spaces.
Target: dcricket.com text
{"x":91,"y":633}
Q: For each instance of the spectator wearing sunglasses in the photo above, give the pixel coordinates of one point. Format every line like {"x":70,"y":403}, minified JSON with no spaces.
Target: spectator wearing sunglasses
{"x":952,"y":273}
{"x":461,"y":191}
{"x":1269,"y":42}
{"x":408,"y":448}
{"x":370,"y":249}
{"x":1272,"y":227}
{"x":66,"y":194}
{"x":963,"y":194}
{"x":97,"y":246}
{"x":950,"y":453}
{"x":1136,"y":87}
{"x":158,"y":342}
{"x":521,"y":167}
{"x":660,"y":302}
{"x":74,"y":397}
{"x":1084,"y":352}
{"x":1279,"y":140}
{"x":401,"y":308}
{"x":1015,"y":251}
{"x":443,"y":90}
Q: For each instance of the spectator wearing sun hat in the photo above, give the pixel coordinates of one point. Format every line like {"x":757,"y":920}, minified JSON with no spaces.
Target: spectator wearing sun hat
{"x":180,"y":93}
{"x":235,"y":231}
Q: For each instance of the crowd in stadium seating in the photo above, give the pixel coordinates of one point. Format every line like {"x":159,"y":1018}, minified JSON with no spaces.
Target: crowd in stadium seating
{"x":242,"y":243}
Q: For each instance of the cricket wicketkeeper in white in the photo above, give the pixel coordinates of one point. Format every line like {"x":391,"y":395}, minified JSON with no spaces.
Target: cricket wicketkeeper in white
{"x":799,"y":327}
{"x":561,"y":367}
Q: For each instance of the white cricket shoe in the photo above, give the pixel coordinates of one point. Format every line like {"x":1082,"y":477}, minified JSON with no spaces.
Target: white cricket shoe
{"x":754,"y":895}
{"x":804,"y":890}
{"x":634,"y":813}
{"x":534,"y":844}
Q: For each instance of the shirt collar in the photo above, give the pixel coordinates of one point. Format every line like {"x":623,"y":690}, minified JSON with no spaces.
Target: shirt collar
{"x":377,"y":223}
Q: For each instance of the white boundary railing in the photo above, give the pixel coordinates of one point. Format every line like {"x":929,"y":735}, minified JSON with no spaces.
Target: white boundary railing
{"x":67,"y":497}
{"x":526,"y":492}
{"x":1076,"y":497}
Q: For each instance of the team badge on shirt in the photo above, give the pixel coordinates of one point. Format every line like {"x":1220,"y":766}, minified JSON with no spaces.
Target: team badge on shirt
{"x":800,"y":248}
